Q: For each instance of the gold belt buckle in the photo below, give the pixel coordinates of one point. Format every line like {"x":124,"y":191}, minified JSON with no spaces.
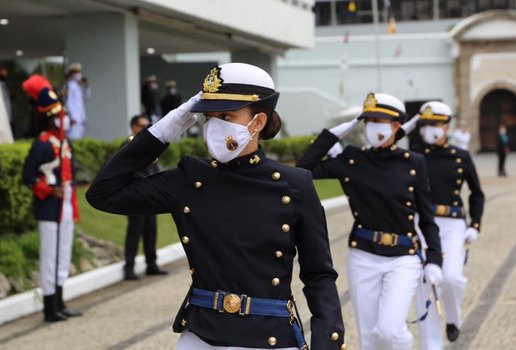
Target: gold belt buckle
{"x":390,"y":239}
{"x":442,"y":210}
{"x":231,"y":303}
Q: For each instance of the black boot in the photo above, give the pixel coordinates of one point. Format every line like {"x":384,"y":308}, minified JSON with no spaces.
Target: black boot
{"x":62,"y":307}
{"x":50,"y":309}
{"x":129,"y":274}
{"x":452,"y":332}
{"x":153,"y":269}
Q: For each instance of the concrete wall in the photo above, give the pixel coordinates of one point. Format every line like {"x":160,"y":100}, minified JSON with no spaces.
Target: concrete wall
{"x":265,"y":18}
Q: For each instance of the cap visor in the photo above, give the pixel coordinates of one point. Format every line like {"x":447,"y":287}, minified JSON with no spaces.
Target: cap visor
{"x":375,"y":115}
{"x":204,"y":106}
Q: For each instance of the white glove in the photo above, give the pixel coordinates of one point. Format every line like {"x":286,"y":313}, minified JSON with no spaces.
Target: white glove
{"x":345,"y":128}
{"x":433,"y":274}
{"x":410,"y":125}
{"x":335,"y":150}
{"x":471,"y":234}
{"x":176,"y":122}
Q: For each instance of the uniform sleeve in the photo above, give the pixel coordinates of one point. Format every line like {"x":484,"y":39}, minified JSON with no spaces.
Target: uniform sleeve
{"x":317,"y":272}
{"x":476,"y":197}
{"x":116,"y":190}
{"x":312,"y":158}
{"x":426,"y":217}
{"x":39,"y":154}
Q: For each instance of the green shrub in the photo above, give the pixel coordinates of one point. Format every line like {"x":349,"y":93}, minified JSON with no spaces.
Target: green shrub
{"x":15,"y":197}
{"x":12,"y":259}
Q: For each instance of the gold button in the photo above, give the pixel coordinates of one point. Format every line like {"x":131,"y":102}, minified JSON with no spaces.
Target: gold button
{"x":359,"y":226}
{"x":454,"y":215}
{"x":459,"y":181}
{"x":354,"y":244}
{"x":335,"y":336}
{"x":409,"y":204}
{"x":285,"y":199}
{"x":276,"y":176}
{"x":272,"y":341}
{"x":343,"y":347}
{"x":410,"y":234}
{"x":411,"y":189}
{"x":355,"y":213}
{"x":456,"y":192}
{"x":458,"y":160}
{"x":198,"y":184}
{"x":186,"y":210}
{"x":214,"y":164}
{"x":275,"y":281}
{"x":476,"y":225}
{"x":412,"y":251}
{"x":351,"y":161}
{"x":406,"y":155}
{"x":394,"y":147}
{"x":446,"y":145}
{"x":346,"y":179}
{"x":185,"y":239}
{"x":278,"y":253}
{"x":455,"y":203}
{"x":453,"y":151}
{"x":460,"y":170}
{"x":427,"y":150}
{"x":413,"y":172}
{"x":411,"y":217}
{"x":285,"y":227}
{"x":183,"y":322}
{"x":192,"y":270}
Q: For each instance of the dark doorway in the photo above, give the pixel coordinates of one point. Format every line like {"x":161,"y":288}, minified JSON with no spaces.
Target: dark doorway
{"x":497,"y":107}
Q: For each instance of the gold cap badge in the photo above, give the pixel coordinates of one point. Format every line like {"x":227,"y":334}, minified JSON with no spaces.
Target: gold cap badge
{"x":427,"y":112}
{"x":370,"y":101}
{"x":213,"y":81}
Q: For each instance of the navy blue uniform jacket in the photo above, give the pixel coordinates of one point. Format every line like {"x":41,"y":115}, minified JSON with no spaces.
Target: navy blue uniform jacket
{"x":239,"y":232}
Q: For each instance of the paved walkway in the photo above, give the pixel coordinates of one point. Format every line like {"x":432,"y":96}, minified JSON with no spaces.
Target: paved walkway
{"x":138,"y":315}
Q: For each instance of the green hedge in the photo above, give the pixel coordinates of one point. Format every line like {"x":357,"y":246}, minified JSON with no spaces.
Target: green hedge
{"x":90,"y":154}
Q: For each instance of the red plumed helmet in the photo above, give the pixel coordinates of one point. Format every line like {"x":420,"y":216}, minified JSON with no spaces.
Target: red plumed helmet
{"x":34,"y":84}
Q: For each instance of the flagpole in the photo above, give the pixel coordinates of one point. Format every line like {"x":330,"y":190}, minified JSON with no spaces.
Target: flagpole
{"x":374,"y":4}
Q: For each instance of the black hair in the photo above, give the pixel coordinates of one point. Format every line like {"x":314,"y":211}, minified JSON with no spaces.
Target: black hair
{"x":134,"y":120}
{"x":273,"y":124}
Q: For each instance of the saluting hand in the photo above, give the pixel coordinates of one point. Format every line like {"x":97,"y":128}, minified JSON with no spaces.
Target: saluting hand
{"x":409,"y":126}
{"x":176,"y":122}
{"x":345,"y":128}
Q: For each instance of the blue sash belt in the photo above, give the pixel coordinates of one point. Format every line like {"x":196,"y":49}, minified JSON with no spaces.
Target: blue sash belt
{"x":448,"y":211}
{"x":383,"y":238}
{"x":246,"y":305}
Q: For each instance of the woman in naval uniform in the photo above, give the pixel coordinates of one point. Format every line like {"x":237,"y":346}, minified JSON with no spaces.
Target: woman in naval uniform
{"x":386,"y":187}
{"x":241,"y":217}
{"x":449,"y":167}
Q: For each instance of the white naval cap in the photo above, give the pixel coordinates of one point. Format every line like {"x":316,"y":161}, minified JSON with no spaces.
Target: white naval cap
{"x":379,"y":105}
{"x":233,"y":86}
{"x":435,"y":111}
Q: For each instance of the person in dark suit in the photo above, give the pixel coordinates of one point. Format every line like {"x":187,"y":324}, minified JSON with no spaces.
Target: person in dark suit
{"x":49,"y":172}
{"x":386,"y":187}
{"x":172,"y":98}
{"x":502,"y":149}
{"x":241,"y":218}
{"x":449,"y":168}
{"x":144,"y":226}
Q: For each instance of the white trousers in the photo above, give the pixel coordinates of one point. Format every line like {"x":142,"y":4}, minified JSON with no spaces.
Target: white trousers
{"x":189,"y":341}
{"x":48,"y":248}
{"x":381,"y":290}
{"x":76,"y":131}
{"x":451,"y":291}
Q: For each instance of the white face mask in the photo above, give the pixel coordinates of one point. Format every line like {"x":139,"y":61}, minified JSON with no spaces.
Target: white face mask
{"x":377,"y":133}
{"x":66,"y":122}
{"x":225,"y":140}
{"x":431,"y":134}
{"x":172,"y":91}
{"x":77,"y":76}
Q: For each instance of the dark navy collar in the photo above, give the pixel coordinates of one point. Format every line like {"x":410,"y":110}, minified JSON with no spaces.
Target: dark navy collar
{"x":248,"y":161}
